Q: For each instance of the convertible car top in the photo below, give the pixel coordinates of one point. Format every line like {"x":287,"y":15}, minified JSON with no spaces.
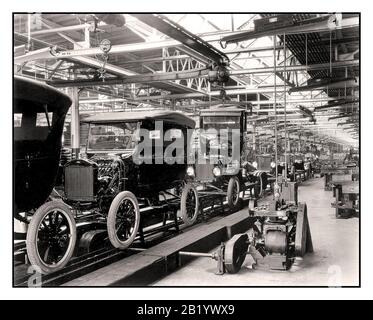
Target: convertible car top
{"x":161,"y":115}
{"x":40,"y":93}
{"x":40,"y":111}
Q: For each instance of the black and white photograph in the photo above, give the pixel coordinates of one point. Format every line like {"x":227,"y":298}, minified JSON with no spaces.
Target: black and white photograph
{"x":186,"y":149}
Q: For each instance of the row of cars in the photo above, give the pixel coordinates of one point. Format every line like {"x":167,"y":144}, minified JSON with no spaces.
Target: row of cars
{"x":131,"y":167}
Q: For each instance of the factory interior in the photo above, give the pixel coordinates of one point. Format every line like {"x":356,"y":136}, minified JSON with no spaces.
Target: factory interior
{"x":186,"y":149}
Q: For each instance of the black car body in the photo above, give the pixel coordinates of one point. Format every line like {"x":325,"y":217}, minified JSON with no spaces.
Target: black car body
{"x":221,"y":165}
{"x":111,"y":148}
{"x":39,"y":114}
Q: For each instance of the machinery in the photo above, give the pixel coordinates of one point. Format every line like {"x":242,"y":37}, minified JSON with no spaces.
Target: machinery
{"x":346,"y":193}
{"x":281,"y":231}
{"x":279,"y":234}
{"x":299,"y":170}
{"x":112,"y":189}
{"x":265,"y":163}
{"x":220,"y":169}
{"x":337,"y":166}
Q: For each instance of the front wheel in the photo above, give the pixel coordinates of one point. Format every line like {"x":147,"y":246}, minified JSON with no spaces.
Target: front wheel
{"x":123,"y":220}
{"x":189,"y":206}
{"x":51,"y":237}
{"x":233,"y":193}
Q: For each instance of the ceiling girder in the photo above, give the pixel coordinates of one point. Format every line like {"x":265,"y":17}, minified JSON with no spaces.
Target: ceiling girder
{"x":177,"y":32}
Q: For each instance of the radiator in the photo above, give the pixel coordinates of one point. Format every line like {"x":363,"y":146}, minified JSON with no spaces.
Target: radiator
{"x":80,"y":180}
{"x":204,"y":172}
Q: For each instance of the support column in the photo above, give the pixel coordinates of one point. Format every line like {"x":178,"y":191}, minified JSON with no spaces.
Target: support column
{"x":75,"y":124}
{"x":254,"y":137}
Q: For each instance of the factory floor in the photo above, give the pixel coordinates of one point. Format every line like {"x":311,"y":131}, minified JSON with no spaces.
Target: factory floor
{"x":335,"y":261}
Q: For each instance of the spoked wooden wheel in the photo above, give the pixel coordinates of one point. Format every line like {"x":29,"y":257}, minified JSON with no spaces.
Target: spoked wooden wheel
{"x":123,"y":220}
{"x":51,"y":237}
{"x":233,"y":193}
{"x":261,"y":184}
{"x":189,"y":206}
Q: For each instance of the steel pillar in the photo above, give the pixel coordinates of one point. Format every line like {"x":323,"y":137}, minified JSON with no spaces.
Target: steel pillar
{"x":75,"y":123}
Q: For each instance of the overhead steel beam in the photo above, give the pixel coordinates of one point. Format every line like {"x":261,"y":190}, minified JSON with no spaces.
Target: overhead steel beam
{"x":211,"y":94}
{"x":354,"y":122}
{"x":327,"y":23}
{"x":337,"y":103}
{"x":61,"y":29}
{"x":279,"y":45}
{"x":177,"y":32}
{"x":349,"y":115}
{"x":140,"y":78}
{"x":228,"y":93}
{"x":160,"y":59}
{"x":122,"y":72}
{"x":119,"y":71}
{"x":135,"y":47}
{"x":310,"y":67}
{"x":154,"y":45}
{"x":292,"y":101}
{"x":330,"y":83}
{"x":190,"y":74}
{"x":254,"y":102}
{"x":115,"y":49}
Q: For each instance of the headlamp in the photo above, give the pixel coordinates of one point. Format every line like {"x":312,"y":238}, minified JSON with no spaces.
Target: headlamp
{"x":216,"y":171}
{"x":190,"y":171}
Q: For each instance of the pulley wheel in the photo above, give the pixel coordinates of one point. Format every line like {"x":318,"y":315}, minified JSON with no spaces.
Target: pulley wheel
{"x":303,"y":239}
{"x":235,"y":252}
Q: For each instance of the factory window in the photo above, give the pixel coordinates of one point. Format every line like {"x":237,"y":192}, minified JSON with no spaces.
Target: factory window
{"x":17,"y":120}
{"x":119,"y":136}
{"x":42,"y":120}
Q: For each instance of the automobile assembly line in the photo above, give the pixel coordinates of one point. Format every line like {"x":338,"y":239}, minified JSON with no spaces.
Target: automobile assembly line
{"x":144,"y":143}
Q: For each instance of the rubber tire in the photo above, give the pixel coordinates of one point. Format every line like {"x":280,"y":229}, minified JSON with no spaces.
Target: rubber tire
{"x":261,"y":190}
{"x":111,"y":219}
{"x":183,"y":208}
{"x":231,"y":183}
{"x":31,"y":239}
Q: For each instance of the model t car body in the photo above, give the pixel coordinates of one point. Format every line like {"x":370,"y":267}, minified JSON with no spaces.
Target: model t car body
{"x":116,"y":164}
{"x":106,"y":189}
{"x":221,"y":166}
{"x":39,"y":115}
{"x":135,"y":160}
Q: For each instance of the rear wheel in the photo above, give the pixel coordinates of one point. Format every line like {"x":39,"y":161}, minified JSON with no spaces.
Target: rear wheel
{"x":51,"y":237}
{"x":123,"y":220}
{"x":233,"y":193}
{"x":189,"y":206}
